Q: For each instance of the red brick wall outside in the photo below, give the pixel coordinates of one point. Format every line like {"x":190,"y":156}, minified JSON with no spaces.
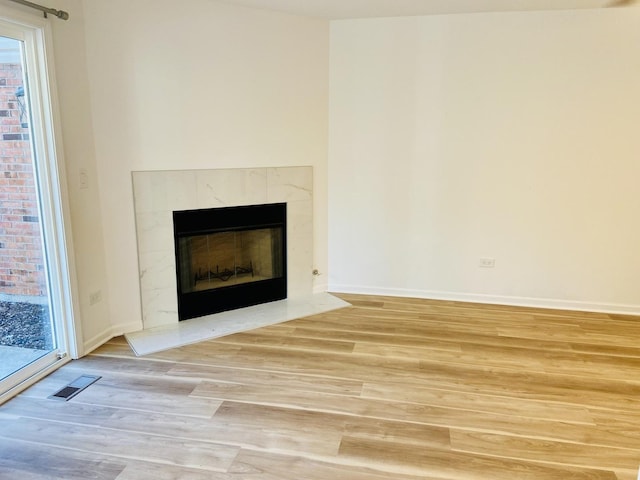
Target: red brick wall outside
{"x":21,"y":257}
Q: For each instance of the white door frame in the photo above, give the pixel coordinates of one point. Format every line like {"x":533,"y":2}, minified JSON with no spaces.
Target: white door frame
{"x":35,"y":33}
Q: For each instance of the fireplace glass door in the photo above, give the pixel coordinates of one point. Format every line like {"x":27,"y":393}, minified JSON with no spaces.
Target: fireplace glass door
{"x":229,"y":258}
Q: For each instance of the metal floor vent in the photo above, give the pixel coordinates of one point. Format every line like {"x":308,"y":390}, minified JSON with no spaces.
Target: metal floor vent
{"x":75,"y":387}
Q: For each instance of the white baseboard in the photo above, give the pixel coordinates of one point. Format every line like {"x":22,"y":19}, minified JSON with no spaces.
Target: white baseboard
{"x":491,"y":299}
{"x":103,"y":337}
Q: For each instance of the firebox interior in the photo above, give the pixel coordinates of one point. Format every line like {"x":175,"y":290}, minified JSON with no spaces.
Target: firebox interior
{"x":229,"y":258}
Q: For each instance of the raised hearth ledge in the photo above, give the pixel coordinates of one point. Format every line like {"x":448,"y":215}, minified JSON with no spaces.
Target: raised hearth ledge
{"x":199,"y":329}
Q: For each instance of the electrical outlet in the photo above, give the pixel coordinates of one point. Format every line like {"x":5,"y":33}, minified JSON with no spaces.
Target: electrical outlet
{"x":486,"y":262}
{"x":95,"y":297}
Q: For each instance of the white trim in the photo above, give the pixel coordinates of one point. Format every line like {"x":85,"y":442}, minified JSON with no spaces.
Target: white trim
{"x":39,"y":375}
{"x":98,"y":340}
{"x":103,"y":337}
{"x":48,"y":158}
{"x":321,"y":288}
{"x":42,"y":92}
{"x":72,"y":323}
{"x":548,"y":303}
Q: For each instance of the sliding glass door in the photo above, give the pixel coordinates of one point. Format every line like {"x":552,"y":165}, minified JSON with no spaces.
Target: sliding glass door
{"x":35,"y":308}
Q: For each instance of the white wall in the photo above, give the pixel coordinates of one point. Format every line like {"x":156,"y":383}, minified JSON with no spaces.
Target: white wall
{"x":199,"y":85}
{"x":79,"y":153}
{"x":512,"y":136}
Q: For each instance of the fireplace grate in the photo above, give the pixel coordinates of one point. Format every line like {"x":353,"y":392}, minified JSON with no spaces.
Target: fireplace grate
{"x":74,"y":388}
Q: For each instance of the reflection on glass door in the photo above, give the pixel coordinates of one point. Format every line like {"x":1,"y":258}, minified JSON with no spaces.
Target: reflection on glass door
{"x":27,"y":333}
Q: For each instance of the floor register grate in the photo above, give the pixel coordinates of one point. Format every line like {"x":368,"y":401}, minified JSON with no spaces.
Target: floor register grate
{"x":74,"y":388}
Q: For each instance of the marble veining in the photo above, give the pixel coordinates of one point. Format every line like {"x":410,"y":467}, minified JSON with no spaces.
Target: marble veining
{"x":158,"y":193}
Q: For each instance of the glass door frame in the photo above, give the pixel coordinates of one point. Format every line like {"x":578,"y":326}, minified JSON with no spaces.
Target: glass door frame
{"x":46,"y":142}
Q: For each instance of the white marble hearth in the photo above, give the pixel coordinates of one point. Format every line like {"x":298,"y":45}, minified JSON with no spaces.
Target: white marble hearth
{"x":158,"y":193}
{"x":226,"y":323}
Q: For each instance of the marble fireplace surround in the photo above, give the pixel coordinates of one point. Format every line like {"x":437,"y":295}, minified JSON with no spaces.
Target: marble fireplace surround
{"x":158,"y":193}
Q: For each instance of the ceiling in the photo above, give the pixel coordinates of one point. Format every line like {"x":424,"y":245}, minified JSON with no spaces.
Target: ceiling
{"x":337,"y":9}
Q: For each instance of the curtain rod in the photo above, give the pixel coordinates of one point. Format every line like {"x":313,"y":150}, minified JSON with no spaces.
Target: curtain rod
{"x":62,"y":15}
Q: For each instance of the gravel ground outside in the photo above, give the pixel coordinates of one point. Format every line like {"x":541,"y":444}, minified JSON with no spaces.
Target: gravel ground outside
{"x":25,"y":325}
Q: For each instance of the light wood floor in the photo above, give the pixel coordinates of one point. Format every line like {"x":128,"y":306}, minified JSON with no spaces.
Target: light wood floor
{"x":387,"y":389}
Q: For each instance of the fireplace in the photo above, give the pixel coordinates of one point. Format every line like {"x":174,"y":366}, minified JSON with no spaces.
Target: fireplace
{"x":159,"y":193}
{"x":228,"y":258}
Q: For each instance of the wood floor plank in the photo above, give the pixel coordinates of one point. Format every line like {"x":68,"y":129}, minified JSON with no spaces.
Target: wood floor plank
{"x":341,"y":365}
{"x":458,"y":465}
{"x":388,"y":388}
{"x":441,"y":342}
{"x":277,"y":339}
{"x":153,"y":394}
{"x":607,"y":350}
{"x":157,"y":393}
{"x":423,"y":304}
{"x":66,"y":412}
{"x":277,"y":466}
{"x":270,"y":379}
{"x":563,"y":388}
{"x":240,"y":435}
{"x":433,"y":338}
{"x":108,"y":394}
{"x":481,"y":402}
{"x":31,"y":461}
{"x":138,"y":470}
{"x":120,"y":443}
{"x":134,"y":366}
{"x":545,"y":451}
{"x":429,"y":415}
{"x":502,"y":357}
{"x":418,"y":409}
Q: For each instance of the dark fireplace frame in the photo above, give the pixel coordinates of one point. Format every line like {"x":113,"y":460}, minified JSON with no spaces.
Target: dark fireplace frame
{"x":187,"y":223}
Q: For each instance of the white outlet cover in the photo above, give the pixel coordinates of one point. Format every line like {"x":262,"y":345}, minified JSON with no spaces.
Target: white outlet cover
{"x":487,"y":262}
